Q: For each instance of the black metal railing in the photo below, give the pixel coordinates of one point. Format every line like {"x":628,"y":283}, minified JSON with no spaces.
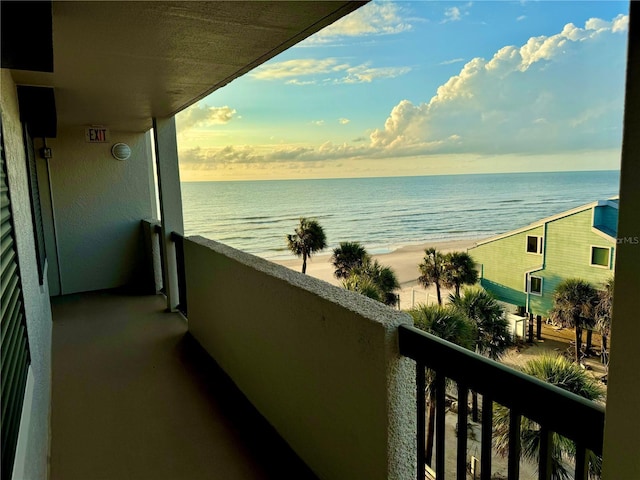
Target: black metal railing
{"x":553,"y":409}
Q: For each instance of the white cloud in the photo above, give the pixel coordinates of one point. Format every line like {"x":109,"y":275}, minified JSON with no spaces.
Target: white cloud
{"x":343,"y":121}
{"x":455,"y":14}
{"x":372,"y":19}
{"x":365,"y":74}
{"x":520,"y":18}
{"x":553,"y":93}
{"x":327,"y":70}
{"x":200,"y":115}
{"x":298,"y":67}
{"x":318,"y":122}
{"x":452,"y":14}
{"x":452,"y":61}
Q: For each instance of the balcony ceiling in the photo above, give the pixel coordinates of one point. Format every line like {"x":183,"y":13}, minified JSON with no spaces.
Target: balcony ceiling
{"x":119,"y":64}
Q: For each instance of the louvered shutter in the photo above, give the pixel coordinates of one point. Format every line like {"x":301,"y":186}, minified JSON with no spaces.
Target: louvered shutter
{"x":15,"y":346}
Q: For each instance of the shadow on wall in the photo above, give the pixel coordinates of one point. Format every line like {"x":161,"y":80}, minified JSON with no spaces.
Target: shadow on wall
{"x":504,"y":293}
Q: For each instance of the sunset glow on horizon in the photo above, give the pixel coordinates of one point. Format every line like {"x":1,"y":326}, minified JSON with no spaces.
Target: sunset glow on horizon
{"x":423,"y":88}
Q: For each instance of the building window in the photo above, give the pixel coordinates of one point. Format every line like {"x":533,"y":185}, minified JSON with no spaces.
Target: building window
{"x":600,"y":256}
{"x":534,"y":244}
{"x":535,"y":285}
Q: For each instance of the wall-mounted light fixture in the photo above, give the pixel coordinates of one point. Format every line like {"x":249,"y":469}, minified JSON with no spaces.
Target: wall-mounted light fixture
{"x":121,"y":151}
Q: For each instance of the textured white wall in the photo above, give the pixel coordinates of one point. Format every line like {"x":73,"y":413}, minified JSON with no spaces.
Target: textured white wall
{"x":321,"y":364}
{"x":36,"y":297}
{"x":99,"y":202}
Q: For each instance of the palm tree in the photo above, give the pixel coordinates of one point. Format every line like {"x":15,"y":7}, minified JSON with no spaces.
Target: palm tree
{"x":432,"y":271}
{"x":604,"y":314}
{"x":559,"y":371}
{"x":364,"y":285}
{"x":382,"y":277}
{"x":460,"y":270}
{"x":573,"y":306}
{"x":448,"y":324}
{"x":346,"y":257}
{"x":492,"y":337}
{"x":308,"y":239}
{"x":492,"y":329}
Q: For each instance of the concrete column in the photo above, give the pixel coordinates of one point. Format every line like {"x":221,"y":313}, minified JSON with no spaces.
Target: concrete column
{"x":166,"y":147}
{"x":622,"y":442}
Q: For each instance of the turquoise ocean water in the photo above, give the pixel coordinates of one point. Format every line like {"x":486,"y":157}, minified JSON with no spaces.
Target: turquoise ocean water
{"x":384,"y":213}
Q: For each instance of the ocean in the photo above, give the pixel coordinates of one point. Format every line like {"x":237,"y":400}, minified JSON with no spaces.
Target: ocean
{"x":384,"y":213}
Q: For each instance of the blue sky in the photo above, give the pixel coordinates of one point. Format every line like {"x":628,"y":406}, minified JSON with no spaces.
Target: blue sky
{"x":421,"y":88}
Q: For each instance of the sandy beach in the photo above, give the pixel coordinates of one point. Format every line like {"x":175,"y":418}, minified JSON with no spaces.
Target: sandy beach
{"x":404,"y":262}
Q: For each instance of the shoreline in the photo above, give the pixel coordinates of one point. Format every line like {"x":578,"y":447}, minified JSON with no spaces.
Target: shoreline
{"x":404,"y":261}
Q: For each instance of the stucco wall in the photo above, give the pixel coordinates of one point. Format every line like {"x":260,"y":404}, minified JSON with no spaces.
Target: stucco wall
{"x":99,"y":202}
{"x":320,"y":363}
{"x":36,"y":297}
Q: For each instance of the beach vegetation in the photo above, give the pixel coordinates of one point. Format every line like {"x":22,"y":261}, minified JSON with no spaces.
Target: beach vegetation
{"x":574,"y":306}
{"x":558,"y":371}
{"x":451,"y":325}
{"x":432,"y":271}
{"x":492,"y":336}
{"x":309,"y":238}
{"x":603,"y":316}
{"x":374,"y":280}
{"x":491,"y":333}
{"x":346,"y":257}
{"x":363,"y":285}
{"x":460,"y":269}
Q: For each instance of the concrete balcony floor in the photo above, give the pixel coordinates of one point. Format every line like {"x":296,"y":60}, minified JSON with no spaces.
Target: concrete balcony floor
{"x":135,"y":397}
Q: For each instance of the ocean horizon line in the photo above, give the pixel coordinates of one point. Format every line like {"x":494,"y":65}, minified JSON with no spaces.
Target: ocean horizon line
{"x":401,"y":176}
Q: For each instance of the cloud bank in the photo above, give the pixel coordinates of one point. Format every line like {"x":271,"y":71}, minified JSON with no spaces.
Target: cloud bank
{"x":324,"y":71}
{"x":371,"y":20}
{"x":204,"y":116}
{"x":554,"y":94}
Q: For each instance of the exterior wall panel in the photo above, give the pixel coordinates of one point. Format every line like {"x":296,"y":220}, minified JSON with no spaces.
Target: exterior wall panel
{"x":34,"y":439}
{"x":321,"y":364}
{"x":504,"y":262}
{"x":99,"y":202}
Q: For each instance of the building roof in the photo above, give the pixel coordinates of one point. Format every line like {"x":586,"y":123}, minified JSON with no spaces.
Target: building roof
{"x":612,"y":202}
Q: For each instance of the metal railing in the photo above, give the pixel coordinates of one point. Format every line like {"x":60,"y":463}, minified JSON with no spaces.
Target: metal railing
{"x":553,"y":409}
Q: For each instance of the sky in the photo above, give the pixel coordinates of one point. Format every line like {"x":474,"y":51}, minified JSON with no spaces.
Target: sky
{"x":423,"y":88}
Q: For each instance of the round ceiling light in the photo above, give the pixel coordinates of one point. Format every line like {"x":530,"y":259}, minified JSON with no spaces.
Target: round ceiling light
{"x":121,"y":151}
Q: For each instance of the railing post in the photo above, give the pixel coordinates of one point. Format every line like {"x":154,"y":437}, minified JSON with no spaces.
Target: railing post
{"x":463,"y":413}
{"x":440,"y":423}
{"x":514,"y":444}
{"x":487,"y":437}
{"x":544,"y":459}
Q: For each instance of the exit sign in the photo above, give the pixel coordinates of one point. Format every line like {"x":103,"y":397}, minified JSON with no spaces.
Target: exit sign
{"x":96,"y":135}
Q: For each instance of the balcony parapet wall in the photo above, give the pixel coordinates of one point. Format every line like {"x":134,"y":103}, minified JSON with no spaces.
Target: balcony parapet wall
{"x":320,"y":363}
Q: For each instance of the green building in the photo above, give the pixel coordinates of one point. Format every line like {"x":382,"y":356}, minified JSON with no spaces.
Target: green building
{"x":523,"y":267}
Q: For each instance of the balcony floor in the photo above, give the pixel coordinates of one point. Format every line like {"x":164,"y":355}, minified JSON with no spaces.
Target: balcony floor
{"x":135,"y":397}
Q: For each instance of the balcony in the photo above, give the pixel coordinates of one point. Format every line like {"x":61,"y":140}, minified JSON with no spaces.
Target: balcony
{"x":136,"y":394}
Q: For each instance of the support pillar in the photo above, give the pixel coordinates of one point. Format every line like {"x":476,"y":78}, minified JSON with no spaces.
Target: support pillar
{"x":621,"y":439}
{"x":166,"y":147}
